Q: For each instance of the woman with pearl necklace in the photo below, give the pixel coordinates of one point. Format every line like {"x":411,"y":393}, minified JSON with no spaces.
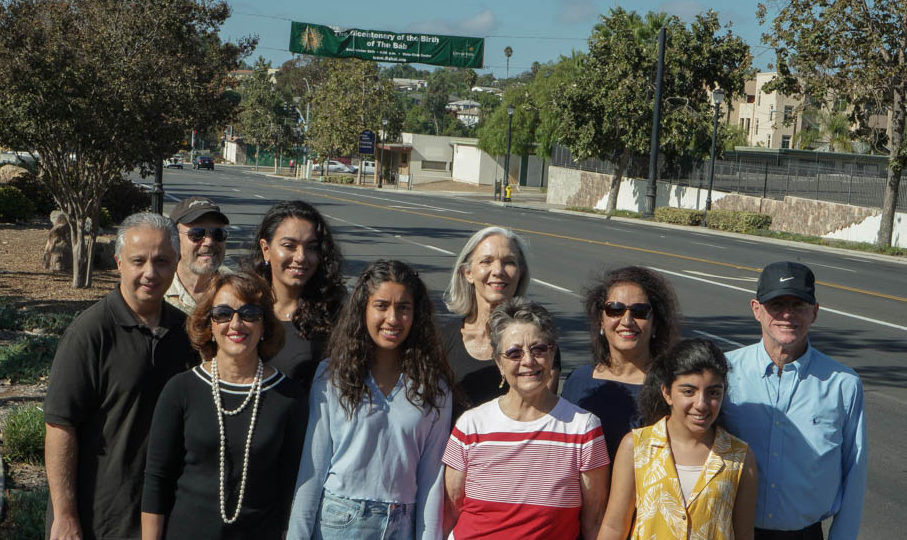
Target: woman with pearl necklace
{"x":226,"y":436}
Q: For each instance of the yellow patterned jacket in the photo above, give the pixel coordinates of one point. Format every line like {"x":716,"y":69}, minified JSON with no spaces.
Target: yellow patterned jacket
{"x":660,"y":511}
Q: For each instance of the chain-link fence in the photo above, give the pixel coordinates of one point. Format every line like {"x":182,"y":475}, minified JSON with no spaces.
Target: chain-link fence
{"x":858,"y":180}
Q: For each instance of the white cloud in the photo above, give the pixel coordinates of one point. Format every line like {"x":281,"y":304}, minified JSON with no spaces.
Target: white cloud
{"x":575,"y":11}
{"x":480,"y":24}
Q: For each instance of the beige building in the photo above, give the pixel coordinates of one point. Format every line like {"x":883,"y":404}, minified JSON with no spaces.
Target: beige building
{"x":763,"y":116}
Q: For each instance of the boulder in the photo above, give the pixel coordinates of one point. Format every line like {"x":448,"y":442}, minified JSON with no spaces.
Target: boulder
{"x":58,"y":249}
{"x":9,"y":172}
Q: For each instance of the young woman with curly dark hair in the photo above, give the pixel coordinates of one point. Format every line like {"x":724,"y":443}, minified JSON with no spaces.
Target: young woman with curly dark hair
{"x":379,"y":418}
{"x":295,"y":252}
{"x":633,"y":316}
{"x":682,"y":472}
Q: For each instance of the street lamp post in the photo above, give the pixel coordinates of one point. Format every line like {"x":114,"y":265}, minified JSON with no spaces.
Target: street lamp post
{"x":508,"y":52}
{"x":383,"y":138}
{"x":717,"y":99}
{"x":507,"y":157}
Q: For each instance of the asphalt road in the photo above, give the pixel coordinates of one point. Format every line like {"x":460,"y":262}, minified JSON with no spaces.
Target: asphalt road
{"x":862,"y":322}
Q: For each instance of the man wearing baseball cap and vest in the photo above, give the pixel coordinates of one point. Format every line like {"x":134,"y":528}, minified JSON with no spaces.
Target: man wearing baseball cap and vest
{"x":802,"y":414}
{"x":203,"y":240}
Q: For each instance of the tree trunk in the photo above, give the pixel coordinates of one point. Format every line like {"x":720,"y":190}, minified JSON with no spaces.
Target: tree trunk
{"x":890,"y":201}
{"x":614,"y":188}
{"x":277,"y":163}
{"x":77,"y":233}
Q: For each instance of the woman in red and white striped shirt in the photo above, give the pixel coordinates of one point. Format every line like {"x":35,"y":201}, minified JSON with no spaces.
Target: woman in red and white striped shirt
{"x":528,"y":464}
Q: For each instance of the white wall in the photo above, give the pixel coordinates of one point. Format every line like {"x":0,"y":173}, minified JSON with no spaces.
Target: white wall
{"x":472,"y":165}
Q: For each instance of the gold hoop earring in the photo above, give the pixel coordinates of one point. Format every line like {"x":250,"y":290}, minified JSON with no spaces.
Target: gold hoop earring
{"x":502,"y":381}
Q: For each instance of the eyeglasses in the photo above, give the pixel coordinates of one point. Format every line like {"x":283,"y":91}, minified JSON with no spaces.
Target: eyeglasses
{"x":637,"y":311}
{"x":248,"y":313}
{"x":197,"y":234}
{"x":536,"y":351}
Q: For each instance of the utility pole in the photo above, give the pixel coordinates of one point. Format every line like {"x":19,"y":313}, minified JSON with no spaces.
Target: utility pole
{"x":656,"y":127}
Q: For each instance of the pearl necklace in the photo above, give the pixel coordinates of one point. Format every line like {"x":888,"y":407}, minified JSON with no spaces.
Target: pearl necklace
{"x":218,"y":405}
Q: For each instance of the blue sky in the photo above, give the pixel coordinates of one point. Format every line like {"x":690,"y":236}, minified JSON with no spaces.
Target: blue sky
{"x":537,"y":30}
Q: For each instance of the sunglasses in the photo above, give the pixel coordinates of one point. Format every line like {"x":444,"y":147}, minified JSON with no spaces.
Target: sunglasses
{"x":197,"y":234}
{"x":637,"y":311}
{"x":248,"y":313}
{"x":535,"y":351}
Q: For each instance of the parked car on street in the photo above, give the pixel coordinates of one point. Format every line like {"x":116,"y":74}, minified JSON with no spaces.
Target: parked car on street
{"x":368,"y":167}
{"x":334,"y":167}
{"x":203,"y":162}
{"x":174,"y":162}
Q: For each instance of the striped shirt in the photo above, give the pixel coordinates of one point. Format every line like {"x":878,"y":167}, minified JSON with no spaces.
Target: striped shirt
{"x":523,"y":478}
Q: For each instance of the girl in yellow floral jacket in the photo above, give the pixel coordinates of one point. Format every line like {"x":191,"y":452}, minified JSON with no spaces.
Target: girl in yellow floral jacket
{"x":683,"y":475}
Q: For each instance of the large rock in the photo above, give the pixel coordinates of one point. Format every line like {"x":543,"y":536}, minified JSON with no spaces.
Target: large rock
{"x":58,"y":249}
{"x":9,"y":172}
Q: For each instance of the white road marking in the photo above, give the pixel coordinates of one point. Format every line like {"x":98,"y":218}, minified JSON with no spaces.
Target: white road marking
{"x":233,"y":227}
{"x":427,"y":246}
{"x":822,"y":308}
{"x":718,"y":338}
{"x":710,"y":245}
{"x":749,"y":279}
{"x":746,"y":241}
{"x":833,"y":267}
{"x":257,"y":195}
{"x":555,"y":287}
{"x":855,"y":260}
{"x":236,"y":190}
{"x":438,"y":208}
{"x":366,"y":227}
{"x":173,"y":198}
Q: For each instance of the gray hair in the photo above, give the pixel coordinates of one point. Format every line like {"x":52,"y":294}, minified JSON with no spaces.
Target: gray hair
{"x":515,"y":311}
{"x":150,"y":220}
{"x":460,"y":296}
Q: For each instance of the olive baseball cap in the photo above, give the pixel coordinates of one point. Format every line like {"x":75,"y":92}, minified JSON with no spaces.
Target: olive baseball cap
{"x":188,"y":210}
{"x":786,"y":279}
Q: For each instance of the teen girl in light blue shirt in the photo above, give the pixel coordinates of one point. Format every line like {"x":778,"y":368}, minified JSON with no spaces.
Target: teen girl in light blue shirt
{"x":379,"y":418}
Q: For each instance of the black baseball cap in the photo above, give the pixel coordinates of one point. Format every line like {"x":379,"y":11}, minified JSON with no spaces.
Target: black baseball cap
{"x":786,"y":279}
{"x":188,"y":210}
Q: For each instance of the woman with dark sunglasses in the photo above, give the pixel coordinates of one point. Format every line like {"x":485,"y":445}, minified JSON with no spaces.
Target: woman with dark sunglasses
{"x":226,"y":436}
{"x":295,"y":252}
{"x":528,"y":464}
{"x":633,"y":316}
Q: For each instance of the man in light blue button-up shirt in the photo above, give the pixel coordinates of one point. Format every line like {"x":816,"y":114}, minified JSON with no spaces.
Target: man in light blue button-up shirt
{"x":801,"y":413}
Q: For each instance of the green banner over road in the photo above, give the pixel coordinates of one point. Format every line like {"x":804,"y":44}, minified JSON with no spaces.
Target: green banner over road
{"x":382,"y":46}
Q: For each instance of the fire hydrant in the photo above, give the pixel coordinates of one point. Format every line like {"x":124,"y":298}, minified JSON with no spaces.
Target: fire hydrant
{"x":508,"y":193}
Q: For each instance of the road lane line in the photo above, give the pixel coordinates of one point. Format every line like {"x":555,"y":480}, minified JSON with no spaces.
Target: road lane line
{"x":555,"y":287}
{"x":257,"y":195}
{"x":235,"y":189}
{"x":710,"y":245}
{"x":833,"y":267}
{"x":427,"y":246}
{"x":821,"y":308}
{"x":596,"y":243}
{"x":748,"y":279}
{"x":719,"y":338}
{"x":439,"y":208}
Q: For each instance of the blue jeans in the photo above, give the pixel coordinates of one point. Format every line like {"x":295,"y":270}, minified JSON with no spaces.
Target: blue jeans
{"x":340,"y":518}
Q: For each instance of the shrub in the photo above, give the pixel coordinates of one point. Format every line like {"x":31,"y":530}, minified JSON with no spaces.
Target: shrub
{"x":339,"y":179}
{"x":23,"y":435}
{"x":25,"y":517}
{"x":9,"y":317}
{"x":28,"y":359}
{"x":46,"y":323}
{"x":35,"y":191}
{"x":741,"y":222}
{"x":679,"y":216}
{"x":14,"y":205}
{"x":123,"y":198}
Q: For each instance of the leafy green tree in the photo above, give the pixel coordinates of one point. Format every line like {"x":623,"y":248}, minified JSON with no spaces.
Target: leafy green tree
{"x":97,"y":88}
{"x":266,"y":119}
{"x":607,"y":110}
{"x":831,"y":127}
{"x":848,"y":49}
{"x":351,"y":98}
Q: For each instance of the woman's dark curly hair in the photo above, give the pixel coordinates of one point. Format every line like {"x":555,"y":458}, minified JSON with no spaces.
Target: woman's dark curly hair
{"x":687,"y":356}
{"x":660,"y":293}
{"x":249,"y":288}
{"x":322,"y":295}
{"x":422,"y":359}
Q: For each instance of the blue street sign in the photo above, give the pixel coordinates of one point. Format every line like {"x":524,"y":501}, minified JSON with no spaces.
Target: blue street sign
{"x":367,"y":142}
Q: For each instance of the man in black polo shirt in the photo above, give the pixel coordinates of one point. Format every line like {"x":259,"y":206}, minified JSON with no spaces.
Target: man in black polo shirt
{"x":107,"y":374}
